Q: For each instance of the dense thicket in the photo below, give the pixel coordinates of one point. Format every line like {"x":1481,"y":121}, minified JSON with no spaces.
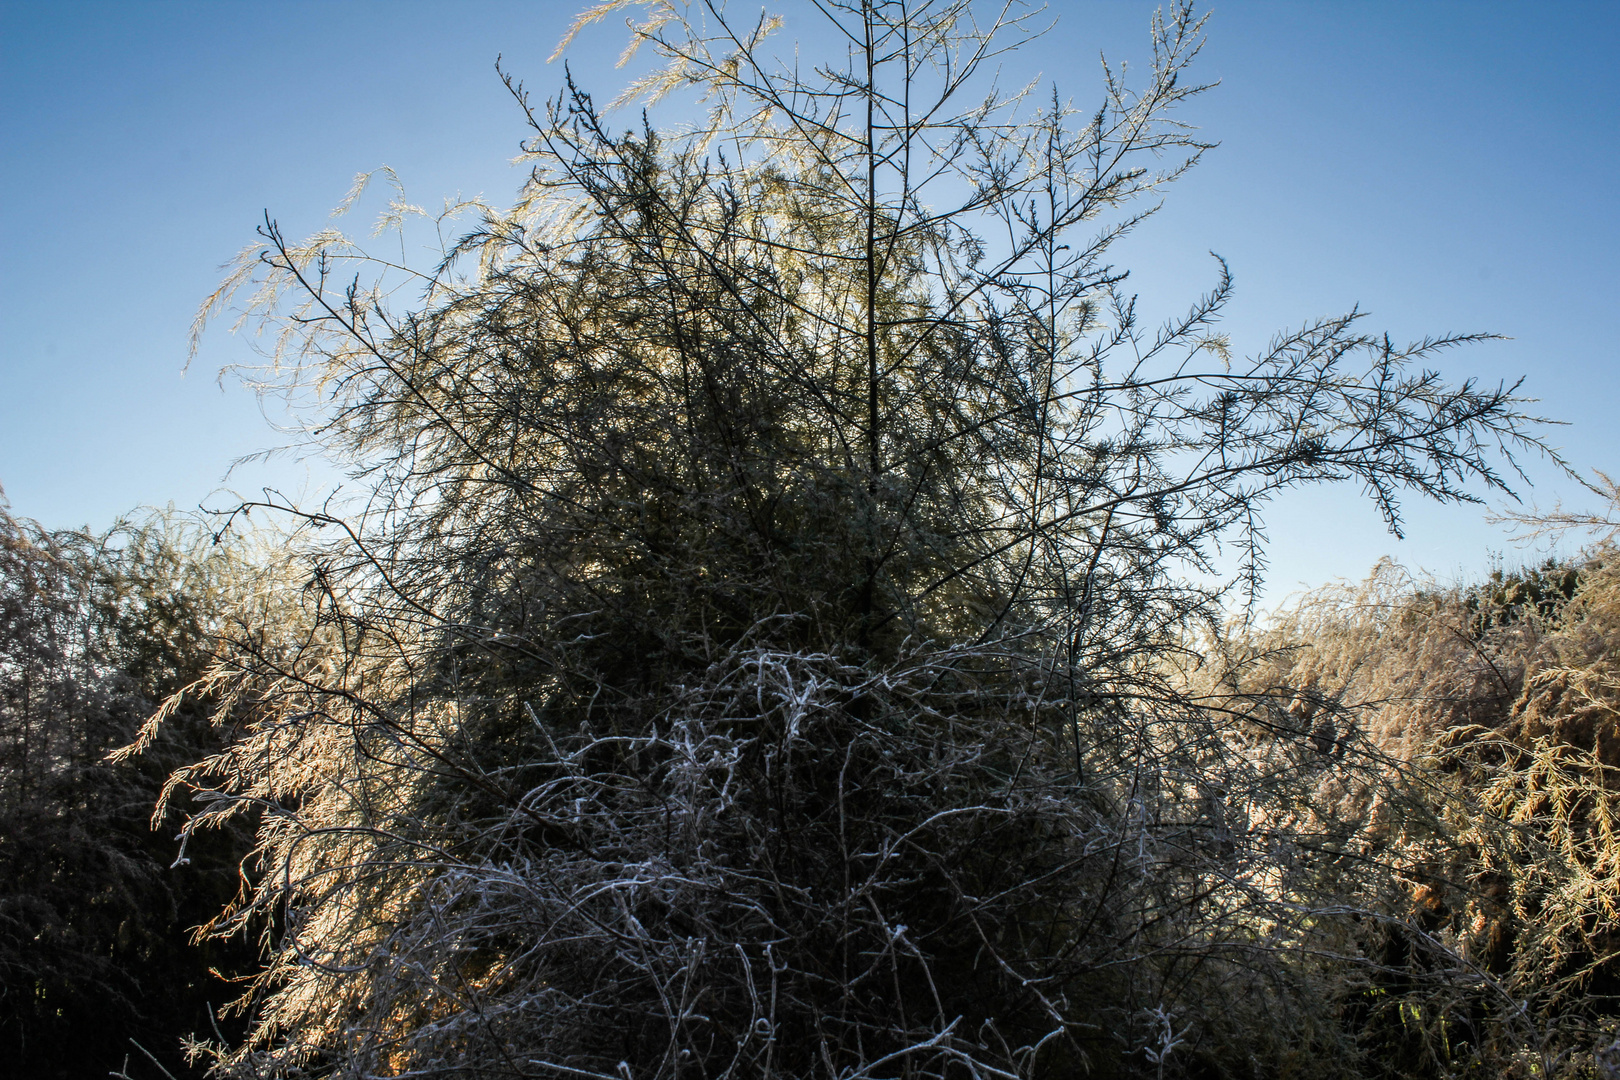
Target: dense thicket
{"x":752,"y":653}
{"x":95,"y":632}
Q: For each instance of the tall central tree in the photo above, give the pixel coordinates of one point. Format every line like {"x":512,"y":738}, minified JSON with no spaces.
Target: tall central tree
{"x":748,"y":657}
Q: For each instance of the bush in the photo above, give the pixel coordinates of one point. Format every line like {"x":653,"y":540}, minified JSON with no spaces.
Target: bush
{"x":1497,"y":702}
{"x":95,"y":632}
{"x":754,"y":651}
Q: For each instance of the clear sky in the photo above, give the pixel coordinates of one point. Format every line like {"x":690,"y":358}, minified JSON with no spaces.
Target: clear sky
{"x":1447,"y":166}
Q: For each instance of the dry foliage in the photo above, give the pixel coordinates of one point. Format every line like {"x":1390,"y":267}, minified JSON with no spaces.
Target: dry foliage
{"x":1498,"y":704}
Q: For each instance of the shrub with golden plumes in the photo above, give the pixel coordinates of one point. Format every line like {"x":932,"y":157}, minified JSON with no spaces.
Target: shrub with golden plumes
{"x":1498,"y":706}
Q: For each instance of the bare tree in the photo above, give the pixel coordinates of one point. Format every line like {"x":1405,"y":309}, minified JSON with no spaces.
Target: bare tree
{"x":752,"y":655}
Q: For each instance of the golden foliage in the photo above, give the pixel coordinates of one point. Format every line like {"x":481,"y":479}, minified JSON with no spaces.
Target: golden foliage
{"x":1499,"y":704}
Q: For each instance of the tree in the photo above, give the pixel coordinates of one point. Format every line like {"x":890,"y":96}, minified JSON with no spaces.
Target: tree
{"x":95,"y":632}
{"x":749,"y":656}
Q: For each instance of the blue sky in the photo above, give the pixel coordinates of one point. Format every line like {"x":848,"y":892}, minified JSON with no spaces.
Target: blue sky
{"x":1446,"y":166}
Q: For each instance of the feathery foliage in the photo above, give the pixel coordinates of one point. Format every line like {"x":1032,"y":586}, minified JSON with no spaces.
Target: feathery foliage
{"x":1499,"y":701}
{"x":752,"y":654}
